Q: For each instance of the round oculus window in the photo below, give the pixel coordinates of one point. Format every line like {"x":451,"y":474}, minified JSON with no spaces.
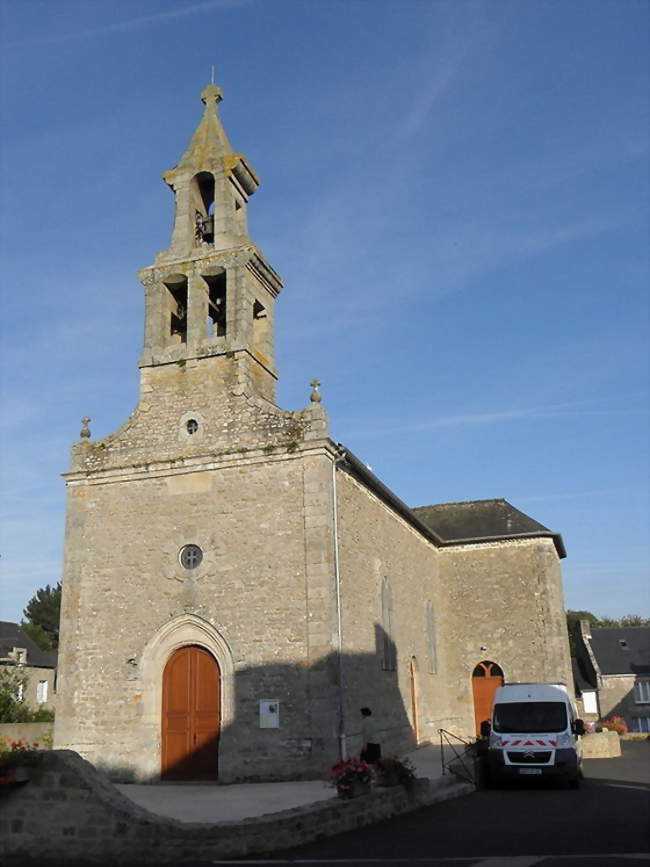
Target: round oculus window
{"x":190,"y":556}
{"x":192,"y":426}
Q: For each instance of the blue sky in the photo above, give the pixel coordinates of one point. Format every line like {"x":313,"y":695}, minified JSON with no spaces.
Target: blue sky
{"x":455,"y":193}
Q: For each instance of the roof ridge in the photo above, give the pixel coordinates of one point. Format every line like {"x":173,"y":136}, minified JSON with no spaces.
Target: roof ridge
{"x":465,"y":503}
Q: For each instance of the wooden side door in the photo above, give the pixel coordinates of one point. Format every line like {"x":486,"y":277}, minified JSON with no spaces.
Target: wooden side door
{"x":487,"y":677}
{"x":191,"y":715}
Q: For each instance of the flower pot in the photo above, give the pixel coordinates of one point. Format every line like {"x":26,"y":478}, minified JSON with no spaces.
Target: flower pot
{"x":353,"y":789}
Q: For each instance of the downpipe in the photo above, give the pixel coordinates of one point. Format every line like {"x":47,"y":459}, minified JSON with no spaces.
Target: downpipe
{"x":343,"y":749}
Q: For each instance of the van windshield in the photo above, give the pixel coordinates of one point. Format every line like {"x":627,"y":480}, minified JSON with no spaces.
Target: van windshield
{"x":530,"y":716}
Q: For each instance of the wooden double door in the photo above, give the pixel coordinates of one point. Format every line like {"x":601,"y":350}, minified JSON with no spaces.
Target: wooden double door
{"x":487,"y":677}
{"x":191,"y":715}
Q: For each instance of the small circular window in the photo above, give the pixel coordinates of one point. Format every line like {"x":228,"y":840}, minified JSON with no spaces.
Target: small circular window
{"x":191,"y":426}
{"x":190,"y":556}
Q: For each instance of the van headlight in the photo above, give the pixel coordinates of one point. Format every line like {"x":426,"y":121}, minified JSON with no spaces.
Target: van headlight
{"x":494,"y":742}
{"x":564,"y":740}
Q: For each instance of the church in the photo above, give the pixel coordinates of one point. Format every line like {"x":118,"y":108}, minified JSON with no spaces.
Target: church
{"x":237,"y":584}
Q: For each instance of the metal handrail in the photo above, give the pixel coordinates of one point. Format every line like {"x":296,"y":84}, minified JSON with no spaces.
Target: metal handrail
{"x":445,"y":737}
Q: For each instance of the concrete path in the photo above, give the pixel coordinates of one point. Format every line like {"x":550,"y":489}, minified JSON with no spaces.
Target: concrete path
{"x":206,"y":802}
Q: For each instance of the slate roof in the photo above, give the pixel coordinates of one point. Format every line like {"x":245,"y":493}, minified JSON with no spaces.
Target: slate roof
{"x":622,"y":649}
{"x":482,"y":520}
{"x":11,"y":635}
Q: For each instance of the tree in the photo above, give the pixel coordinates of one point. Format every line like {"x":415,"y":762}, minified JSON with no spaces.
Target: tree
{"x":573,"y":619}
{"x":634,"y":620}
{"x":12,"y":687}
{"x":42,"y":614}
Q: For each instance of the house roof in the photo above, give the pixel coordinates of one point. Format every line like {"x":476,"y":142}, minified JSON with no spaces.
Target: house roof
{"x":482,"y":520}
{"x":622,"y":649}
{"x":11,"y":635}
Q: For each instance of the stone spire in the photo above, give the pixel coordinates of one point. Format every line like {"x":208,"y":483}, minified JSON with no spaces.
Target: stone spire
{"x":209,"y":142}
{"x":212,"y":185}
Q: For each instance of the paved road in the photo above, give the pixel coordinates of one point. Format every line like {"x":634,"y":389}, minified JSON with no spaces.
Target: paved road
{"x":603,"y":824}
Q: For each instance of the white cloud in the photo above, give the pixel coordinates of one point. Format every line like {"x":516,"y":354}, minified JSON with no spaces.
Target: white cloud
{"x":129,"y":24}
{"x":480,"y":419}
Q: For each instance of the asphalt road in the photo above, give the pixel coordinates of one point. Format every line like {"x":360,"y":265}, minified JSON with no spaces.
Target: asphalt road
{"x":605,"y":823}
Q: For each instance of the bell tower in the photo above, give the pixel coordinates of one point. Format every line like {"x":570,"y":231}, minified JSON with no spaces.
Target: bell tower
{"x":211,"y":292}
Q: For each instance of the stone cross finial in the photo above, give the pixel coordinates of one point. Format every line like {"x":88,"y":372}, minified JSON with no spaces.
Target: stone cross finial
{"x":85,"y":430}
{"x":315,"y":396}
{"x":211,"y":93}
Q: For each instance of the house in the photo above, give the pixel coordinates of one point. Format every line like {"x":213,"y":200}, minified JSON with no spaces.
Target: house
{"x":613,"y":673}
{"x":237,"y":584}
{"x":38,"y":666}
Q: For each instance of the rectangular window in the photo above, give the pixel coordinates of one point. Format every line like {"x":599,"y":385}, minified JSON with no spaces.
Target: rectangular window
{"x":20,"y":692}
{"x":389,"y":651}
{"x":431,"y":637}
{"x":642,"y":692}
{"x":589,"y":702}
{"x":641,"y":724}
{"x":41,"y":691}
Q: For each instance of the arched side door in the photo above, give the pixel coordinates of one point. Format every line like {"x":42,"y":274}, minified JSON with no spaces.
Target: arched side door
{"x":487,"y":677}
{"x":191,"y":715}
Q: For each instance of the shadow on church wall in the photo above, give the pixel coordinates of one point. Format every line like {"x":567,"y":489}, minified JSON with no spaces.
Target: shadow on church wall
{"x":305,"y":702}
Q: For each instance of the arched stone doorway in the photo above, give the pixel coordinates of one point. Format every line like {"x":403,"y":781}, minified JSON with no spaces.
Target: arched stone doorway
{"x":191,"y":715}
{"x":487,"y":677}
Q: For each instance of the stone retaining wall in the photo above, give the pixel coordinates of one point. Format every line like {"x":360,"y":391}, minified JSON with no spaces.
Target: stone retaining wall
{"x":30,"y":732}
{"x":69,"y":812}
{"x":601,"y":745}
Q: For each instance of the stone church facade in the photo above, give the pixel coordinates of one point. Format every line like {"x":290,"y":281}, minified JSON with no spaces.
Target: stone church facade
{"x":237,"y":584}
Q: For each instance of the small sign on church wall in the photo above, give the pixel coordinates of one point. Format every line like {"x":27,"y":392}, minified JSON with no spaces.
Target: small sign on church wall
{"x":269,"y":713}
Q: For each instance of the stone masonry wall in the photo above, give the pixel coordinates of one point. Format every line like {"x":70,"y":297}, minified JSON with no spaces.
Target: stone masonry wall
{"x":504,"y":604}
{"x":123,"y":585}
{"x":216,"y":393}
{"x":377,"y":544}
{"x":616,"y":698}
{"x":40,"y":733}
{"x":67,"y":813}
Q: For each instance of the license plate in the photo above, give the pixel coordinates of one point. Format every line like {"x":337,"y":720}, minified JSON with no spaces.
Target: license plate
{"x":530,"y":770}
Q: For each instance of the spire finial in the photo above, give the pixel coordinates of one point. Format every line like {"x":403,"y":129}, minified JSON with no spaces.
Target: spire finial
{"x":211,"y":93}
{"x":85,"y":430}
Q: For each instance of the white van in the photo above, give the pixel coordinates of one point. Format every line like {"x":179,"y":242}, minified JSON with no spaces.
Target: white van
{"x":535,"y":732}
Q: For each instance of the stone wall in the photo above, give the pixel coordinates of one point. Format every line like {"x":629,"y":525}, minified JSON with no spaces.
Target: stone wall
{"x":378,"y":546}
{"x":500,"y":601}
{"x":40,"y":733}
{"x":219,"y":394}
{"x":601,"y":745}
{"x":503,"y":603}
{"x":616,"y":697}
{"x":125,"y":589}
{"x":67,"y":813}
